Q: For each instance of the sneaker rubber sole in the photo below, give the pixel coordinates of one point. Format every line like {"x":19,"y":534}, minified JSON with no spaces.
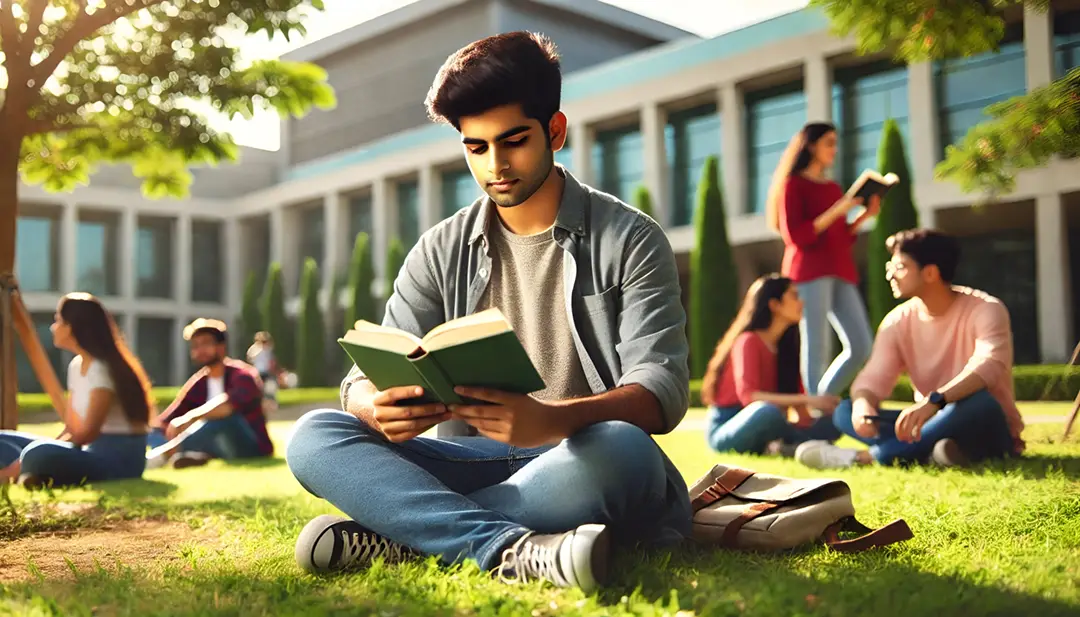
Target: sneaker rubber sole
{"x":587,"y":555}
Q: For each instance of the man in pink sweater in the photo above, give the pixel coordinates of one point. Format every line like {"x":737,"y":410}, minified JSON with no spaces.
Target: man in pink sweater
{"x":955,"y":343}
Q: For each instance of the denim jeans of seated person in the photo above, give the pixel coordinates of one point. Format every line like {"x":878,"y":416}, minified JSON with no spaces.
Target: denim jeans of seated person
{"x":109,"y":457}
{"x":749,"y":430}
{"x":471,"y":497}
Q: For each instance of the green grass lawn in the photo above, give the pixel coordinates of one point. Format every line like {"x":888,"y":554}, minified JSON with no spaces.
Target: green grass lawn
{"x":1000,"y":540}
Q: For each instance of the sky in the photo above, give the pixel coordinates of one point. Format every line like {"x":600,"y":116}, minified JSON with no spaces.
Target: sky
{"x":700,"y":17}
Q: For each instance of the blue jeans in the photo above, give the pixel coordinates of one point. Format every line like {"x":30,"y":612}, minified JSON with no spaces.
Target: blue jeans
{"x":228,"y":438}
{"x":831,"y":300}
{"x":977,"y":423}
{"x":109,"y":457}
{"x":750,"y":429}
{"x":470,"y":497}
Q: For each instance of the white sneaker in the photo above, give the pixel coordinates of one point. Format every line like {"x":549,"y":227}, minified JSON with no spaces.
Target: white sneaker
{"x":577,"y":558}
{"x":157,"y":461}
{"x":820,"y":454}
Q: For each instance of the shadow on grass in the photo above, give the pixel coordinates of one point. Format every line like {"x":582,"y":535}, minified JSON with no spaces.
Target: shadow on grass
{"x":263,"y":462}
{"x":881,"y":583}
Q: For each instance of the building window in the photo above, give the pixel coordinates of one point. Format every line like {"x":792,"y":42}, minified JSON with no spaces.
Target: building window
{"x":408,"y":202}
{"x":773,"y":117}
{"x":206,"y":262}
{"x":1066,"y":42}
{"x":619,"y":162}
{"x":97,"y":244}
{"x":691,"y":136}
{"x":154,"y":346}
{"x":966,"y":86}
{"x":865,"y":97}
{"x":154,"y":257}
{"x":28,"y":381}
{"x":361,"y":217}
{"x":565,"y":156}
{"x":37,"y":257}
{"x":459,"y":190}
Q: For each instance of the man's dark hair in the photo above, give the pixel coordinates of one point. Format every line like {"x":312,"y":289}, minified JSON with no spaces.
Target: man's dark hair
{"x":219,"y":336}
{"x":927,"y":247}
{"x":516,"y":67}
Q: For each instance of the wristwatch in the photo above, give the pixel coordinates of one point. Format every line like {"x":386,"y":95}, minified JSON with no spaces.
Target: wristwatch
{"x":937,"y":399}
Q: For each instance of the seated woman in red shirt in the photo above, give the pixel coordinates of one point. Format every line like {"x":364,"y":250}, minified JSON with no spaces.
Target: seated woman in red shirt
{"x":810,"y":211}
{"x":752,"y":380}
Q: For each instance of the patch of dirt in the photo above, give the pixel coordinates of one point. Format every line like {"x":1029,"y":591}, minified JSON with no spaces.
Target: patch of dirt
{"x":105,"y":543}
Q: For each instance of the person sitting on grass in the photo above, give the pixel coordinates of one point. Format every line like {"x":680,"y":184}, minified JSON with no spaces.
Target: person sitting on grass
{"x":955,"y":343}
{"x":753,"y":380}
{"x":218,"y":413}
{"x":552,"y":480}
{"x":108,"y":407}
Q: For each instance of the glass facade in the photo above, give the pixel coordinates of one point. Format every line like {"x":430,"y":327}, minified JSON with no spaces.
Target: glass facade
{"x":691,"y":136}
{"x":459,"y":190}
{"x":1066,"y":42}
{"x":97,"y":260}
{"x":865,"y":97}
{"x":207,"y":264}
{"x":312,"y":237}
{"x":618,"y":162}
{"x":154,"y":257}
{"x":408,"y":202}
{"x":37,"y":252}
{"x":361,"y":217}
{"x":154,"y":346}
{"x":565,"y":156}
{"x":772,"y":118}
{"x":966,"y":86}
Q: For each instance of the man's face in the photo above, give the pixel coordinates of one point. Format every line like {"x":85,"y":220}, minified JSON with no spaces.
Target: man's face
{"x":508,"y":153}
{"x":904,"y":275}
{"x":206,"y":350}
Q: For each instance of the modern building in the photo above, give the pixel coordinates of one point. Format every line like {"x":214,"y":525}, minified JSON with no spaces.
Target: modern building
{"x":647,"y":104}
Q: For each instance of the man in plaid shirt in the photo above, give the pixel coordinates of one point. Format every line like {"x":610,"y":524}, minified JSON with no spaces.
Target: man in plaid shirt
{"x":218,"y":413}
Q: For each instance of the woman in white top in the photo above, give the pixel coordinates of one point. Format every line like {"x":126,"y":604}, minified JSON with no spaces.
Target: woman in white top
{"x":108,"y":410}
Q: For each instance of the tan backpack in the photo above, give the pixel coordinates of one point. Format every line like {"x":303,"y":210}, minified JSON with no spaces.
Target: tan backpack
{"x":742,"y":509}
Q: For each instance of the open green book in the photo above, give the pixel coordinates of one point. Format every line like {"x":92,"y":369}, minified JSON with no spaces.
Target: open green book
{"x":476,"y":350}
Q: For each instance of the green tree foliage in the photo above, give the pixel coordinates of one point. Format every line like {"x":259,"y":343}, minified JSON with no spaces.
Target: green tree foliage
{"x":251,"y":320}
{"x":310,"y":349}
{"x":361,"y":304}
{"x":898,"y":212}
{"x":1023,"y":132}
{"x":714,"y":282}
{"x":395,"y":257}
{"x":274,"y":319}
{"x":643,"y":200}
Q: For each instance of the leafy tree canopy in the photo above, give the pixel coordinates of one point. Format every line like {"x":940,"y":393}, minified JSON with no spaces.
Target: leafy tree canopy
{"x":1022,"y":132}
{"x":109,"y":81}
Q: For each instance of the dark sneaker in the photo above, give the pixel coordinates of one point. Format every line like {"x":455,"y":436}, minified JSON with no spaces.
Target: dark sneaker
{"x":330,"y":543}
{"x":948,"y":453}
{"x":190,"y":459}
{"x":577,"y":558}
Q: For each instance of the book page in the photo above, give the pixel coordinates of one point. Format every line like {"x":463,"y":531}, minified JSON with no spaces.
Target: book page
{"x":367,"y":334}
{"x":464,"y":329}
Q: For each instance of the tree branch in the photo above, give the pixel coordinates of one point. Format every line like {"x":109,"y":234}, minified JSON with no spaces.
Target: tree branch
{"x":83,"y":27}
{"x":33,"y":24}
{"x":9,"y":30}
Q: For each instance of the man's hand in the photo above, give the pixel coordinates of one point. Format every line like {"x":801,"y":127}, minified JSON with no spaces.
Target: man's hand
{"x":177,"y":426}
{"x":909,"y":424}
{"x":861,"y":413}
{"x":402,"y":423}
{"x":514,"y":419}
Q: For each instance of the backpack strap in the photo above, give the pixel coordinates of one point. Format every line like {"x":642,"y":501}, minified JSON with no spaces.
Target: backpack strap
{"x":722,"y":487}
{"x":896,"y":531}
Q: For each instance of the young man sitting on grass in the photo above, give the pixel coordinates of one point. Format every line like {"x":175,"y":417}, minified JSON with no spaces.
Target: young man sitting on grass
{"x":955,"y":343}
{"x":591,"y":289}
{"x":218,"y":413}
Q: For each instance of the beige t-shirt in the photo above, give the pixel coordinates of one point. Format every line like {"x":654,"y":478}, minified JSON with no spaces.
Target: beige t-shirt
{"x":527,"y":286}
{"x":97,"y":376}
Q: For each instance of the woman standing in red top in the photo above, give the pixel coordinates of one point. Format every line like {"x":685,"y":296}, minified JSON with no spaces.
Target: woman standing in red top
{"x":753,"y":377}
{"x":810,"y":212}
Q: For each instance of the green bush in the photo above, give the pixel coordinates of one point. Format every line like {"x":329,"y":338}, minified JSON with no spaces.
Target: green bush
{"x":714,"y":281}
{"x":643,"y":201}
{"x":250,"y":317}
{"x":361,"y":304}
{"x":1033,"y":382}
{"x":36,"y":402}
{"x":310,"y":350}
{"x":275,"y":320}
{"x":395,"y":258}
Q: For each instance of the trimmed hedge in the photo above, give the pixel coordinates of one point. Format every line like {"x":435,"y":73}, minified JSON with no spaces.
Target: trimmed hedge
{"x":32,"y":402}
{"x":1033,"y":382}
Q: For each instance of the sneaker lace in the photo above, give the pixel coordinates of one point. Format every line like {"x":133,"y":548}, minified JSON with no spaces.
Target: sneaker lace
{"x":527,"y":559}
{"x":367,"y":546}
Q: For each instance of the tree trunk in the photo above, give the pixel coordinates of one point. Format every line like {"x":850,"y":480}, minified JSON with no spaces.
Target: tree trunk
{"x":9,"y":200}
